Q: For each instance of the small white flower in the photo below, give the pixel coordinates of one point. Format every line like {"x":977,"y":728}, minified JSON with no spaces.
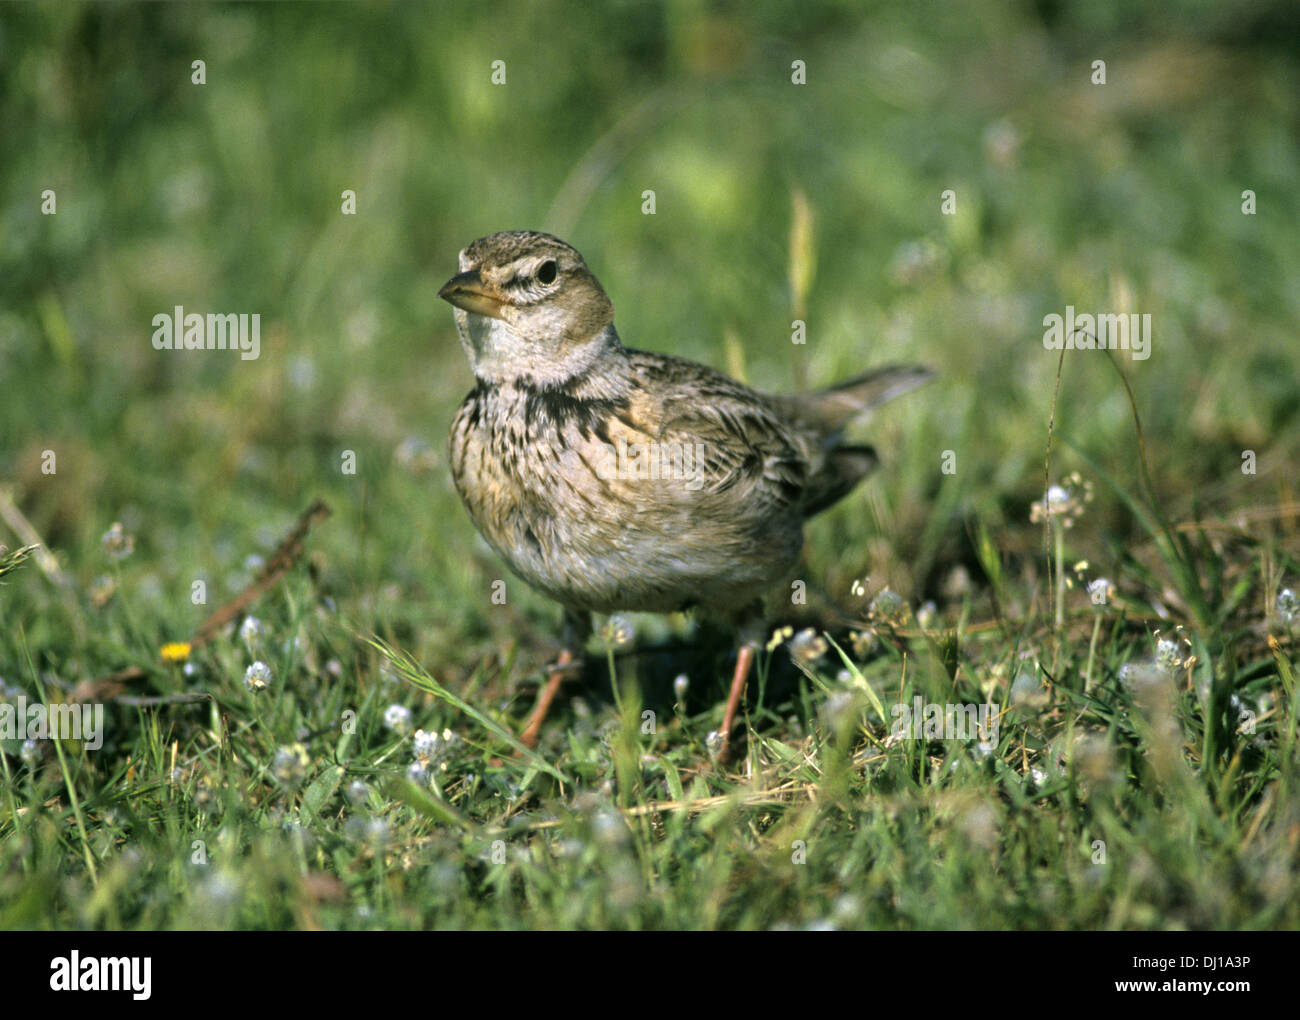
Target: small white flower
{"x":290,"y":764}
{"x":357,"y":793}
{"x":609,"y":828}
{"x":1027,"y":692}
{"x":979,"y":823}
{"x":418,"y":773}
{"x":398,"y":719}
{"x":888,"y":607}
{"x":838,"y":709}
{"x":1168,"y":655}
{"x":1288,"y":606}
{"x":118,"y":545}
{"x":807,"y":646}
{"x":258,"y":676}
{"x":251,"y":631}
{"x":30,"y":753}
{"x":618,"y":630}
{"x":864,"y":642}
{"x":1141,"y":677}
{"x":681,"y":685}
{"x":1063,"y":503}
{"x":427,"y":746}
{"x":847,"y":909}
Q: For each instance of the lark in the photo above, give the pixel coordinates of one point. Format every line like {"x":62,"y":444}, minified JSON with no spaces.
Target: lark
{"x":612,"y":479}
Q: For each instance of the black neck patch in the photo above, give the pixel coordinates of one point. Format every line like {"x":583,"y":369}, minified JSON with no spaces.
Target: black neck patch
{"x":557,"y":406}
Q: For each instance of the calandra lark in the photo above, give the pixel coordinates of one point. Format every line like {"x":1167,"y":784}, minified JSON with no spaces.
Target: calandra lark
{"x":612,"y":479}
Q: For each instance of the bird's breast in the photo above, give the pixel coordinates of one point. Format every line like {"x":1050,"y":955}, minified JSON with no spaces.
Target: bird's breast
{"x":551,"y":480}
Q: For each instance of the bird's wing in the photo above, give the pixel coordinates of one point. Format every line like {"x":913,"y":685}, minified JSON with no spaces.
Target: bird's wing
{"x":742,"y":452}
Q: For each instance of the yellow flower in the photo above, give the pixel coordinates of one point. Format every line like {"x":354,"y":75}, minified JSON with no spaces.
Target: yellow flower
{"x":175,"y":651}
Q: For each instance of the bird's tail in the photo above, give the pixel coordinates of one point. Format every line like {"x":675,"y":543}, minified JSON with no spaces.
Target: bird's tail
{"x":827,"y":411}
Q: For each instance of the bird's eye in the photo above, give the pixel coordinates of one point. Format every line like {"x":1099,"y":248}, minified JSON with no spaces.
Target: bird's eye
{"x":547,"y":271}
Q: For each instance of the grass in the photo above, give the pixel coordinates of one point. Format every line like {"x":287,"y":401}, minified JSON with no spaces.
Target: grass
{"x":1144,"y":769}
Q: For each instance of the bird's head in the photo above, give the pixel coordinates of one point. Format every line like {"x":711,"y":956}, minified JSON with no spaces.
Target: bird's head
{"x":527,"y":306}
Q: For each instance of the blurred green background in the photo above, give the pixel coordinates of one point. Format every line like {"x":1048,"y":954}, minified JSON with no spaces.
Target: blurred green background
{"x":226,"y":196}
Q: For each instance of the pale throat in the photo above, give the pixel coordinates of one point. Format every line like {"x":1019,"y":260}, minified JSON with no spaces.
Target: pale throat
{"x":499,"y":355}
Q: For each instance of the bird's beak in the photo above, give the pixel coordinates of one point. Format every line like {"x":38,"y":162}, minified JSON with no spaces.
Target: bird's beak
{"x":471,"y":292}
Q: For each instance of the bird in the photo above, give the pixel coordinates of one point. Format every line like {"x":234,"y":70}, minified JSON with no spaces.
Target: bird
{"x":612,"y":479}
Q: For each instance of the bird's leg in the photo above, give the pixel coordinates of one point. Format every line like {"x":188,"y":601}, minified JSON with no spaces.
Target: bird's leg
{"x":577,"y":627}
{"x":750,"y":637}
{"x":744,"y":662}
{"x":544,"y":698}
